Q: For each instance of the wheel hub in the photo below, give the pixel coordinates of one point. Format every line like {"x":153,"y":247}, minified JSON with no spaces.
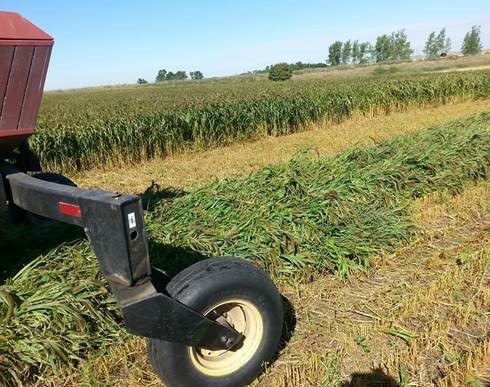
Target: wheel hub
{"x":245,"y":318}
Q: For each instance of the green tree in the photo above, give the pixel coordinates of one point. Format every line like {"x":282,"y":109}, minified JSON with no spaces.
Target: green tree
{"x":392,"y":47}
{"x":141,"y":81}
{"x":400,"y":45}
{"x":181,"y":75}
{"x":472,"y":42}
{"x":347,"y":52}
{"x":443,"y":42}
{"x":280,"y":72}
{"x":356,"y":52}
{"x":437,"y":44}
{"x":196,"y":75}
{"x":360,"y":51}
{"x":335,"y":53}
{"x":430,"y":49}
{"x":161,"y":75}
{"x":383,"y":49}
{"x":364,"y":51}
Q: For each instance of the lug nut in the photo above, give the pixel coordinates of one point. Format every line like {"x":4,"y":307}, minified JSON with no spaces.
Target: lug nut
{"x":227,"y":341}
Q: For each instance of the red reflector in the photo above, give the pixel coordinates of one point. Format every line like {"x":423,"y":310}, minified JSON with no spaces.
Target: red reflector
{"x":69,"y":209}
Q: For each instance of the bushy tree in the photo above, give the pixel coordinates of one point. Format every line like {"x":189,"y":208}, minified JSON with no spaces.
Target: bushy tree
{"x":161,"y":75}
{"x":472,"y":42}
{"x":335,"y":53}
{"x":280,"y":72}
{"x":437,"y":44}
{"x":392,"y":47}
{"x":346,"y":52}
{"x":196,"y":75}
{"x":180,"y":75}
{"x":141,"y":81}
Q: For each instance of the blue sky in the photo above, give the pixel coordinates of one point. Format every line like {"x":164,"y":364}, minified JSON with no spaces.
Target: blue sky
{"x":108,"y":42}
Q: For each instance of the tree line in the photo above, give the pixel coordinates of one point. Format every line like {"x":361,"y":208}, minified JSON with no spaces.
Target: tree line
{"x":396,"y":46}
{"x":164,"y":75}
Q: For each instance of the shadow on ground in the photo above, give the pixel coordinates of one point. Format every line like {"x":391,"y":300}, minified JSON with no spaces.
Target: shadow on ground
{"x":21,"y":243}
{"x":375,"y":378}
{"x":155,"y":194}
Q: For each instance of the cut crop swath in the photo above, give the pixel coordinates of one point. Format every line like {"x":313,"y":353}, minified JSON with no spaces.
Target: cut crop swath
{"x":329,"y":214}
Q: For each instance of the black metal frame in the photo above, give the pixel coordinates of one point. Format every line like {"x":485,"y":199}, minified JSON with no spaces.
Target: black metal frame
{"x":114,"y":226}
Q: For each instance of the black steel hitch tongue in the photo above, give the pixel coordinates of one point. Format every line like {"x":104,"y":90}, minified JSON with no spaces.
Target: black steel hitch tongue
{"x":115,"y":228}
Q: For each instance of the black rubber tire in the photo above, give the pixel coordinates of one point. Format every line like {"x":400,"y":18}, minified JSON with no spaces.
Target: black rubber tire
{"x":203,"y":285}
{"x":38,"y":220}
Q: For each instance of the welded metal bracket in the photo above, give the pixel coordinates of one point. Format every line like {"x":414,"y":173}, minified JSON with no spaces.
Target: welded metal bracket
{"x":115,"y":228}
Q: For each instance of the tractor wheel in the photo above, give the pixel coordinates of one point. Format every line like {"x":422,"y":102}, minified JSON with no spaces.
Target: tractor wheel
{"x":224,"y":289}
{"x":38,"y":220}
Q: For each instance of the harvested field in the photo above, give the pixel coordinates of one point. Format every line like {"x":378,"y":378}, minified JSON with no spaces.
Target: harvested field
{"x":419,"y":316}
{"x":444,"y":159}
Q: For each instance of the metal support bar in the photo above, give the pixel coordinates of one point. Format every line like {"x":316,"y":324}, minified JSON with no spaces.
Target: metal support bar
{"x":115,"y":228}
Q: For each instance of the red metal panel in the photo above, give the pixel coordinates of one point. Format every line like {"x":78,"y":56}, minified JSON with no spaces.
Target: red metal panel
{"x":8,"y":42}
{"x":24,"y":57}
{"x":34,"y":89}
{"x":6,"y":56}
{"x":17,"y":132}
{"x":14,"y":26}
{"x":16,"y":86}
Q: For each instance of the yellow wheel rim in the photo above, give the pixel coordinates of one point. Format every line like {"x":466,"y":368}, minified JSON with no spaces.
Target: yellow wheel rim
{"x":246,"y":319}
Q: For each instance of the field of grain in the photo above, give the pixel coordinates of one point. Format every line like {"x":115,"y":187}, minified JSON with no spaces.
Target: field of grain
{"x":93,"y":128}
{"x":367,"y":206}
